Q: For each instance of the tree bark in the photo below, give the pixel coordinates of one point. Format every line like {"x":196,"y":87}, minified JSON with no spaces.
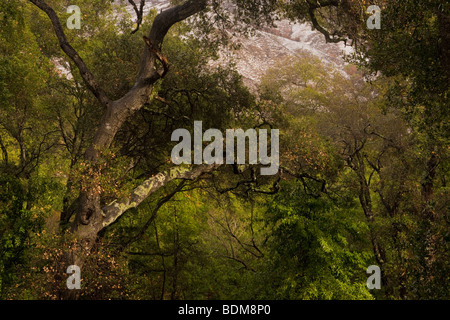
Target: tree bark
{"x":90,"y":217}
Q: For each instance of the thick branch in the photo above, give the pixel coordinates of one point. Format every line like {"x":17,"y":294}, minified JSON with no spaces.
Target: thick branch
{"x":115,"y":209}
{"x":86,"y":74}
{"x":118,"y":111}
{"x":166,"y":19}
{"x":162,"y":58}
{"x":323,"y":4}
{"x":161,"y":25}
{"x":318,"y":27}
{"x":139,"y":94}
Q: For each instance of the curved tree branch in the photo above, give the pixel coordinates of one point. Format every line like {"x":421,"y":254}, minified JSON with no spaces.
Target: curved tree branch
{"x":118,"y":111}
{"x":139,"y":94}
{"x":161,"y":25}
{"x":328,"y":37}
{"x":86,"y":74}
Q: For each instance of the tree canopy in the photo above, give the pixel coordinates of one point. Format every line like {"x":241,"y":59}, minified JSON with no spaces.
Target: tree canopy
{"x":86,"y":176}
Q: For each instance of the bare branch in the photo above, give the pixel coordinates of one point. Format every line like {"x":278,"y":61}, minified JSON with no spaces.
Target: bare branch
{"x":139,"y":13}
{"x":86,"y":74}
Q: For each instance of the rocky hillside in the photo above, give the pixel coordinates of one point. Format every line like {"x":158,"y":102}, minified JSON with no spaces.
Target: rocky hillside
{"x":261,"y":51}
{"x":268,"y":46}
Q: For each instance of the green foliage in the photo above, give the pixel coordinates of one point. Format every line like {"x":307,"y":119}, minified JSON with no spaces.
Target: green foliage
{"x":16,"y":226}
{"x":317,"y":249}
{"x":412,"y":46}
{"x":364,"y":164}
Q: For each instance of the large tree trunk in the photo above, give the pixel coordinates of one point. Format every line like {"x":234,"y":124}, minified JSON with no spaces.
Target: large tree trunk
{"x":94,"y":219}
{"x":90,"y":217}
